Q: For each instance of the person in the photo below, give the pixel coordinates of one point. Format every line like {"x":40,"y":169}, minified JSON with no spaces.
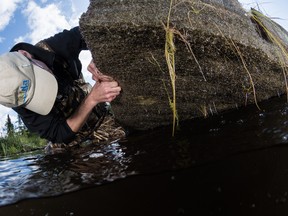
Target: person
{"x":44,"y":84}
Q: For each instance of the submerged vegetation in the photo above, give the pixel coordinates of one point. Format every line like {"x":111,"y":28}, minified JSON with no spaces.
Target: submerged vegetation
{"x":170,"y":59}
{"x":18,"y":139}
{"x":170,"y":50}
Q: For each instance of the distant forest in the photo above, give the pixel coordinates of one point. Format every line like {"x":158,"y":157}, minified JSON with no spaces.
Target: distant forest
{"x":17,"y":139}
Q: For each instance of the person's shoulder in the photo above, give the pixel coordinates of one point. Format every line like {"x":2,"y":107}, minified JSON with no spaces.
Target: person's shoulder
{"x":75,"y":29}
{"x":23,"y":112}
{"x":72,"y":29}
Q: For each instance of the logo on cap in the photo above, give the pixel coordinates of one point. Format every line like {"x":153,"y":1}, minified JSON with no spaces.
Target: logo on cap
{"x":23,"y":90}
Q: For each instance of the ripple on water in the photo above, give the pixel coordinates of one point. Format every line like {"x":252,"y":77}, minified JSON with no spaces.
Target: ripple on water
{"x":198,"y":141}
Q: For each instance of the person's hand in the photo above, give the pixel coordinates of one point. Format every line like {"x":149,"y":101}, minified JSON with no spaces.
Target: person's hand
{"x":96,"y":74}
{"x":104,"y":91}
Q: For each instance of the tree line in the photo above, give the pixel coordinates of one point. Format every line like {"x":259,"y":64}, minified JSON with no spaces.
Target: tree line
{"x":17,"y":138}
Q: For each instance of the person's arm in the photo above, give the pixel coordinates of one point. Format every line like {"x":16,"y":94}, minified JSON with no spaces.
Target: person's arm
{"x":51,"y":127}
{"x":105,"y":90}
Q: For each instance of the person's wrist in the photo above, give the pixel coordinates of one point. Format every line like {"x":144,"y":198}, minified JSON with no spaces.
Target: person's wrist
{"x":90,"y":101}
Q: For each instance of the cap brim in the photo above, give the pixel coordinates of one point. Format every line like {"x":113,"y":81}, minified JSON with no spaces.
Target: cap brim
{"x":45,"y":92}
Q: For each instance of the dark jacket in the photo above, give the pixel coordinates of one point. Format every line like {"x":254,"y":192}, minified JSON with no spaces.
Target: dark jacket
{"x":66,"y":66}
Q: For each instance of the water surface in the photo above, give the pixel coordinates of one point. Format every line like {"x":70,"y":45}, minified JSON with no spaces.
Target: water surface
{"x":199,"y":145}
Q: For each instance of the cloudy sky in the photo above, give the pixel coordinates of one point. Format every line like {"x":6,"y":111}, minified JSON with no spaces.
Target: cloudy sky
{"x":33,"y":20}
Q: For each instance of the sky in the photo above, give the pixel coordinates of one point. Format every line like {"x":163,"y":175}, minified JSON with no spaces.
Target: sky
{"x":33,"y":20}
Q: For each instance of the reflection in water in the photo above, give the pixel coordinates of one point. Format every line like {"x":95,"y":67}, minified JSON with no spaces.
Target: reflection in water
{"x":48,"y":175}
{"x":199,"y":141}
{"x":14,"y":174}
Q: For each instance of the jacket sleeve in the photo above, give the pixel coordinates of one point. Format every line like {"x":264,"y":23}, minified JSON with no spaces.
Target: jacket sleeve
{"x":51,"y":127}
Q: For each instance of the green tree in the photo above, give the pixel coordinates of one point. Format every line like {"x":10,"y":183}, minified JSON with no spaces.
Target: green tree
{"x":21,"y":128}
{"x":18,"y":139}
{"x":9,"y":127}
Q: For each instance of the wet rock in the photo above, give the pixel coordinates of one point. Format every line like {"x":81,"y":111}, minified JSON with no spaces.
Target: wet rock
{"x":222,"y":58}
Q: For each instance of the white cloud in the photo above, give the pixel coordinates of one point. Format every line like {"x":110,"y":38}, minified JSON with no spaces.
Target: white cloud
{"x":43,"y":22}
{"x":7,"y":10}
{"x":73,"y":9}
{"x":85,"y":58}
{"x":80,"y":6}
{"x":19,"y":39}
{"x":46,"y":21}
{"x":2,"y":39}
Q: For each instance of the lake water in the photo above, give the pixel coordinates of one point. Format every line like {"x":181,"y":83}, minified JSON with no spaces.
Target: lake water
{"x":233,"y":163}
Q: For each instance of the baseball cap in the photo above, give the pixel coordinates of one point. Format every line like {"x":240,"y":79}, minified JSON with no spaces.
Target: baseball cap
{"x":25,"y":84}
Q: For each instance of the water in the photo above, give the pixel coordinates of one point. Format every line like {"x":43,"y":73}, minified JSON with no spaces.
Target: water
{"x":206,"y":147}
{"x":39,"y":175}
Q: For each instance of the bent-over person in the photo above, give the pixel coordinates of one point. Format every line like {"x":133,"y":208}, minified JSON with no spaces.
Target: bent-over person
{"x":44,"y":84}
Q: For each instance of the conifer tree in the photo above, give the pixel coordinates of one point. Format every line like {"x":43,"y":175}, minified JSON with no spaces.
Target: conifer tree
{"x":9,"y":127}
{"x":21,"y":128}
